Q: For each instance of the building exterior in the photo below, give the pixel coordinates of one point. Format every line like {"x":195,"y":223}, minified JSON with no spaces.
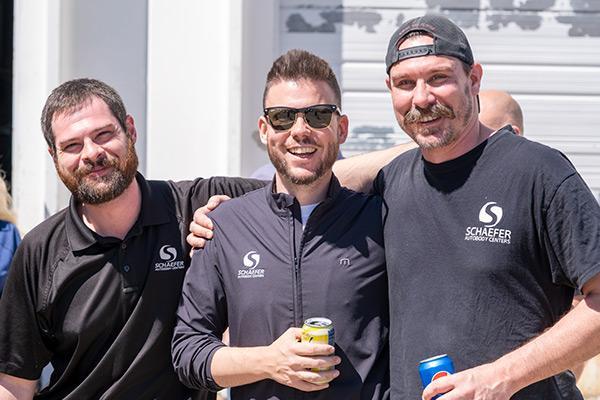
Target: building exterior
{"x":192,"y":73}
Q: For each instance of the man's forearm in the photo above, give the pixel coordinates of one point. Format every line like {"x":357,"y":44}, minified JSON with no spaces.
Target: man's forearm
{"x":286,"y":361}
{"x":358,"y":172}
{"x":13,"y":388}
{"x":236,"y":366}
{"x":573,"y":339}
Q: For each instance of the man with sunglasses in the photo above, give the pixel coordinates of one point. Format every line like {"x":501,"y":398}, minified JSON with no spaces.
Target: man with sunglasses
{"x":302,"y":247}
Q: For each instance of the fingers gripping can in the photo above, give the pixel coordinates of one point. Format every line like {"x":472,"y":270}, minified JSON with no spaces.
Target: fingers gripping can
{"x":318,"y":330}
{"x":434,"y":368}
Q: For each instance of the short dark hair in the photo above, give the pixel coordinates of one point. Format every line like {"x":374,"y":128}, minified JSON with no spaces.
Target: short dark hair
{"x":71,"y":96}
{"x":300,"y":64}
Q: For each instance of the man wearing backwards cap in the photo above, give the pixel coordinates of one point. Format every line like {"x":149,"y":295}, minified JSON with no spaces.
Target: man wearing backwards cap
{"x":486,"y":237}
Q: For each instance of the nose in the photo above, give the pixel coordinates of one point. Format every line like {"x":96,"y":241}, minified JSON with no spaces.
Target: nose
{"x":91,"y":151}
{"x":422,"y":97}
{"x":300,"y":127}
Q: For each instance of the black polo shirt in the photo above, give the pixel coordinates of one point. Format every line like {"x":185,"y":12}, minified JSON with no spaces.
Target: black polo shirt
{"x":101,"y":309}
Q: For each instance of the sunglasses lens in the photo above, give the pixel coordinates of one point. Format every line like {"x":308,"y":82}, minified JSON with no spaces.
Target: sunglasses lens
{"x":281,"y":119}
{"x":319,"y":117}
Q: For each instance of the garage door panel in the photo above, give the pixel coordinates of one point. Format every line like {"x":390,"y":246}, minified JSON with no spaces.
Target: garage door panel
{"x":496,"y":37}
{"x":441,"y":5}
{"x":512,"y":78}
{"x":579,"y":115}
{"x":327,"y":4}
{"x":545,"y":52}
{"x":566,"y":118}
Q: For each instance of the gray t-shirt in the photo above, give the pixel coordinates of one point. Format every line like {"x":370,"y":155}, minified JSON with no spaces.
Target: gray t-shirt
{"x":484,"y":253}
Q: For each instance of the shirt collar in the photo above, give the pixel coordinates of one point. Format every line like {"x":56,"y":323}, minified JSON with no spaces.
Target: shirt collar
{"x":279,"y":202}
{"x":154,"y":211}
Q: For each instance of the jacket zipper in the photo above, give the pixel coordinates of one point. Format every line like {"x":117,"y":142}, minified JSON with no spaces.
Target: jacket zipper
{"x":295,"y":294}
{"x":296,"y":273}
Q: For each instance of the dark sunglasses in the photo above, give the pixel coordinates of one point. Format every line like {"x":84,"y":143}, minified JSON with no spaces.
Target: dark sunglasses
{"x":317,"y":116}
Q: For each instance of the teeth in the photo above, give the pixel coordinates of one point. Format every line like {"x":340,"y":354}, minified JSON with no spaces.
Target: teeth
{"x":428,"y":118}
{"x":302,"y":150}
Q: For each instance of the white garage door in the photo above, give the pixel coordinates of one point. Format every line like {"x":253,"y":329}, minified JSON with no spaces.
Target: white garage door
{"x":545,"y":52}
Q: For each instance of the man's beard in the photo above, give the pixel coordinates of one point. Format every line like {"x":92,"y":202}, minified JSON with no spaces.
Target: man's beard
{"x":438,"y":110}
{"x":105,"y":188}
{"x":282,"y":168}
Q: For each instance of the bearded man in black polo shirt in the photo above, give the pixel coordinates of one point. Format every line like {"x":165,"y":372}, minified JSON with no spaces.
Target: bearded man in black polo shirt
{"x":93,"y":289}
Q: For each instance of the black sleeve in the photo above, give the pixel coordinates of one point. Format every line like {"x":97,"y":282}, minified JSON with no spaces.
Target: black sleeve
{"x":379,"y":183}
{"x":22,"y":350}
{"x":201,"y":320}
{"x":192,"y":195}
{"x":573,"y":233}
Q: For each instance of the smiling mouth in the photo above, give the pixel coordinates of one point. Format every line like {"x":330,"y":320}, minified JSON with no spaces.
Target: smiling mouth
{"x":429,"y":118}
{"x":302,"y":151}
{"x":97,"y":172}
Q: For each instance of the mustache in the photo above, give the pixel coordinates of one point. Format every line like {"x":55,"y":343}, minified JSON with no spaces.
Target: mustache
{"x":89,"y":165}
{"x":416,"y":114}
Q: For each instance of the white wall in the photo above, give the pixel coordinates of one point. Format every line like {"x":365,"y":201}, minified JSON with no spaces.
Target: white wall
{"x":177,"y":65}
{"x":194,"y":94}
{"x":107,"y":40}
{"x":54,"y":41}
{"x":260,"y":48}
{"x":35,"y":72}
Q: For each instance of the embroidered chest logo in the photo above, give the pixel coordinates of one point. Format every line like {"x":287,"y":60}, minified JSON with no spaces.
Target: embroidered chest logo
{"x":345,"y":261}
{"x":490,"y":215}
{"x":251,"y":262}
{"x":168,"y":255}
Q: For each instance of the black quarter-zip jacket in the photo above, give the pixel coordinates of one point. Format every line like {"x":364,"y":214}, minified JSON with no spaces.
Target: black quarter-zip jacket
{"x":262,"y":273}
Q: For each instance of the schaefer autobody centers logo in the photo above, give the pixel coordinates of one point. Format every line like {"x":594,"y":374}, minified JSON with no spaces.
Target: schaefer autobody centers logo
{"x":490,"y":216}
{"x":250,"y":270}
{"x":168,"y":255}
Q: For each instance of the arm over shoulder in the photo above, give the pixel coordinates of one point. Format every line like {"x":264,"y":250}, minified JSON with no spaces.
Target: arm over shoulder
{"x":13,"y":388}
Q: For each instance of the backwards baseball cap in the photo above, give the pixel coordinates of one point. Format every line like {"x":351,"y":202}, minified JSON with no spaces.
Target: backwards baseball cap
{"x":448,"y":40}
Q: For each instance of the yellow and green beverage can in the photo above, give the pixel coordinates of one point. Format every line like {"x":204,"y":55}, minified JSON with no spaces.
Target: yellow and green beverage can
{"x":318,"y":330}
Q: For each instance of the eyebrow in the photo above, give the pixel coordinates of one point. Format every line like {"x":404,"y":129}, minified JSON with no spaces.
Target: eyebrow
{"x":434,"y":70}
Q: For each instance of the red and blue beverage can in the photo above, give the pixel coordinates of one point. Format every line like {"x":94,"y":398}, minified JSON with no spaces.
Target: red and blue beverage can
{"x":434,"y":368}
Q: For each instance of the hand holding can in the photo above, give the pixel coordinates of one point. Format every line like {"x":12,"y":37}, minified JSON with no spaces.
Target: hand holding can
{"x":434,"y":368}
{"x":318,"y":330}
